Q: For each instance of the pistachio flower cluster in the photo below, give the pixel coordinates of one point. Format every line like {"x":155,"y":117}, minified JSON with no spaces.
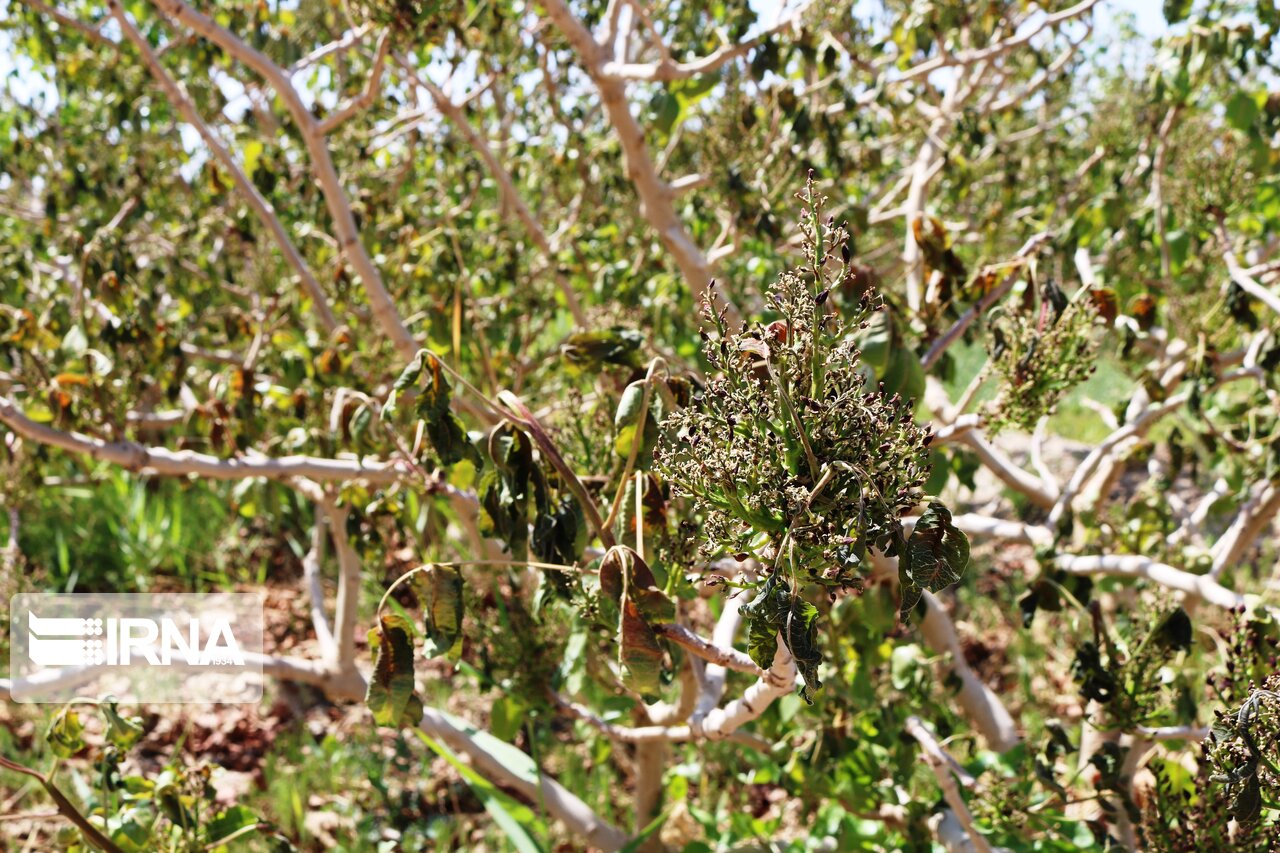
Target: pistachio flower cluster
{"x":1042,"y":354}
{"x":791,"y":452}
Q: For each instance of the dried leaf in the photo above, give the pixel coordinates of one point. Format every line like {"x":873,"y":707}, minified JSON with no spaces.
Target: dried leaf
{"x":391,"y":689}
{"x":627,"y":583}
{"x":934,"y":557}
{"x":65,"y":735}
{"x":610,"y":346}
{"x":440,"y":588}
{"x":1104,"y":302}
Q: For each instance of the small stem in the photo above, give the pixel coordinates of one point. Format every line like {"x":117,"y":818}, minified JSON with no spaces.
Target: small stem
{"x":533,"y":564}
{"x":65,"y":807}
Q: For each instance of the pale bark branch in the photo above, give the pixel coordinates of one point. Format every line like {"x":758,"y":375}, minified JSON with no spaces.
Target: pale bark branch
{"x":997,"y":49}
{"x":547,"y":792}
{"x":1011,"y":474}
{"x":727,"y":657}
{"x":312,"y":564}
{"x":1160,"y":733}
{"x":719,"y":723}
{"x":655,"y":195}
{"x":1241,"y":276}
{"x":714,"y":674}
{"x":349,"y":40}
{"x":366,"y":98}
{"x":667,"y":69}
{"x":348,"y":604}
{"x":136,"y":457}
{"x":257,"y":203}
{"x":1200,"y":587}
{"x":979,"y":702}
{"x":380,"y":301}
{"x":1250,"y":523}
{"x":946,"y":770}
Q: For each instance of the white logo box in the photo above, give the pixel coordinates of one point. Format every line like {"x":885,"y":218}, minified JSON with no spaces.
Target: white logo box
{"x":187,"y":648}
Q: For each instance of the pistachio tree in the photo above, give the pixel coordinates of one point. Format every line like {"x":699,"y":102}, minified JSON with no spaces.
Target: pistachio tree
{"x":678,"y":379}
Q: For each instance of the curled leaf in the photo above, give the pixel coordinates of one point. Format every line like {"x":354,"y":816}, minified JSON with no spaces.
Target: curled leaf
{"x":774,"y":613}
{"x":121,"y":731}
{"x":507,"y":487}
{"x":628,"y":586}
{"x":935,"y":556}
{"x":441,"y":590}
{"x":391,"y":689}
{"x":66,"y":733}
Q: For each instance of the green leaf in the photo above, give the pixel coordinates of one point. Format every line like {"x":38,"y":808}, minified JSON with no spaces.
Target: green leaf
{"x":762,"y":641}
{"x":627,"y":583}
{"x":65,"y":734}
{"x":666,"y":112}
{"x":611,"y":346}
{"x":252,"y":153}
{"x":121,"y":731}
{"x":514,"y":818}
{"x":391,"y":695}
{"x":440,"y":588}
{"x":229,"y":822}
{"x":1179,"y":248}
{"x":407,"y":379}
{"x":627,"y":419}
{"x":775,"y":611}
{"x":1241,"y":111}
{"x":934,"y":557}
{"x":1176,"y":11}
{"x":877,"y":342}
{"x":506,"y":717}
{"x":129,"y":832}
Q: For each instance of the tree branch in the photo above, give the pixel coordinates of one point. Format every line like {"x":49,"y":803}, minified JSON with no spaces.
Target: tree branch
{"x":136,"y":457}
{"x":380,"y":301}
{"x":266,"y":213}
{"x":506,"y":185}
{"x":365,"y":99}
{"x":558,"y":801}
{"x":667,"y":69}
{"x":655,"y":196}
{"x":943,"y":767}
{"x":1200,"y":587}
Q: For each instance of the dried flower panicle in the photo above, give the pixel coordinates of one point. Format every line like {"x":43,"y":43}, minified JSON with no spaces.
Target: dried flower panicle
{"x":791,"y":448}
{"x":1039,"y":356}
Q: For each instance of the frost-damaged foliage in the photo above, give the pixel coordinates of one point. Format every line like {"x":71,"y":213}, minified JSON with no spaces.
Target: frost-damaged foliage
{"x":392,"y":697}
{"x":777,"y":612}
{"x":630,"y":602}
{"x":439,"y":590}
{"x":1042,"y":349}
{"x":206,"y":290}
{"x":173,"y":808}
{"x":793,"y":454}
{"x":935,"y":556}
{"x":424,"y":379}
